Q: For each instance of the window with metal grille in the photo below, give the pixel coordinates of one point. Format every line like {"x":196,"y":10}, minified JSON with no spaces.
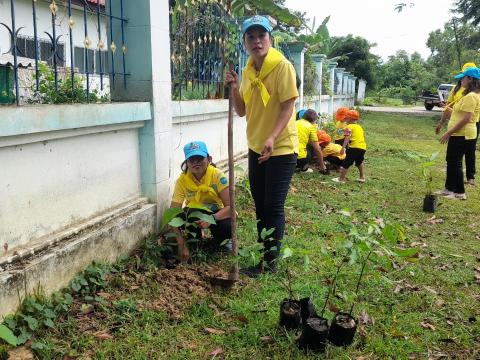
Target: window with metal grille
{"x":93,"y":60}
{"x":26,"y":47}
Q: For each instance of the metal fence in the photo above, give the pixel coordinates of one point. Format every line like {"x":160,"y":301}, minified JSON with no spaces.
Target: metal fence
{"x":51,"y":50}
{"x":205,"y":39}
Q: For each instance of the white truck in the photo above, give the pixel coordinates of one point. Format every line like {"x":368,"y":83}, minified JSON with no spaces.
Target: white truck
{"x":430,"y":100}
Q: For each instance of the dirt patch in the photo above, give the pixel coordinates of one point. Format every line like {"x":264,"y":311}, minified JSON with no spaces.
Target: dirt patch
{"x":20,"y":353}
{"x":182,"y":287}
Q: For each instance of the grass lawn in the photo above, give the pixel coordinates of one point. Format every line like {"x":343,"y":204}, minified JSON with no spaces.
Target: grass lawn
{"x":429,"y":309}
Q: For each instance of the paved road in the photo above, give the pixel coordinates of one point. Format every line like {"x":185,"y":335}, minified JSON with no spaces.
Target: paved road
{"x":414,"y":110}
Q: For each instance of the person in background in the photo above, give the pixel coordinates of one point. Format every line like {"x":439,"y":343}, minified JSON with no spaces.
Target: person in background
{"x":300,"y":114}
{"x":461,"y":133}
{"x":455,"y":95}
{"x":331,"y":152}
{"x":340,"y":125}
{"x":267,"y":97}
{"x":307,"y":135}
{"x":202,"y":187}
{"x":355,"y":147}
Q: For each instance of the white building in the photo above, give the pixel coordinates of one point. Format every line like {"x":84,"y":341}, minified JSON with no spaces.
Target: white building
{"x":95,"y":43}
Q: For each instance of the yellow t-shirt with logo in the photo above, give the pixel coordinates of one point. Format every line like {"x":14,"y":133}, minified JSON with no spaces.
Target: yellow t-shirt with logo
{"x":333,"y":149}
{"x":184,"y":196}
{"x":339,"y":130}
{"x":357,"y":138}
{"x":469,"y":103}
{"x":261,"y":120}
{"x":307,"y":132}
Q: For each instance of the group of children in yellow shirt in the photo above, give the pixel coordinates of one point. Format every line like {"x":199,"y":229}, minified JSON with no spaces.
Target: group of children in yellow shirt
{"x":349,"y":147}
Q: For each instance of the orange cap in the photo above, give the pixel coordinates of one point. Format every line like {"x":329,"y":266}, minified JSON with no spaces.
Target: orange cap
{"x":323,"y":137}
{"x":352,"y":115}
{"x":340,"y":114}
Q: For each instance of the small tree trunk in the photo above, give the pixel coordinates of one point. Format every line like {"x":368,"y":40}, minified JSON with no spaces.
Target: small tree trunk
{"x":234,"y":272}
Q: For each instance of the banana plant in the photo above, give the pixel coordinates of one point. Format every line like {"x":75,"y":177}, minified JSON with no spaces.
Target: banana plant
{"x":242,"y":8}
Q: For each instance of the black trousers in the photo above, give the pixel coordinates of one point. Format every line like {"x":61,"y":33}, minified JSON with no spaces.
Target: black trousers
{"x":456,"y":149}
{"x":269,"y":184}
{"x":334,"y":160}
{"x":470,"y":156}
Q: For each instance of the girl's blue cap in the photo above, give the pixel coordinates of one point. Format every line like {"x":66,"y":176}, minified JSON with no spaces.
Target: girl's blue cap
{"x":472,"y":72}
{"x":195,"y":148}
{"x":256,"y":20}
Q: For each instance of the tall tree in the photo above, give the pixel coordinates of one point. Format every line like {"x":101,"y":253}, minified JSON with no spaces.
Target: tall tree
{"x":470,"y":10}
{"x":354,"y":55}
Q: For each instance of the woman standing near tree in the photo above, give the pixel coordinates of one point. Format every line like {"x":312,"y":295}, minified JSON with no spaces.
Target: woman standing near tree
{"x":455,"y":95}
{"x":461,"y":133}
{"x":267,"y":96}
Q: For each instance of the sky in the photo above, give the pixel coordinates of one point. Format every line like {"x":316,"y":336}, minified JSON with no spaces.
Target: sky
{"x":378,"y":22}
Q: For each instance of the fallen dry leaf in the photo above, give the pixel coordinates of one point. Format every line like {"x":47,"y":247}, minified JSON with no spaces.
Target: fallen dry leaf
{"x":104,"y":336}
{"x":20,"y":353}
{"x":134,"y":287}
{"x":427,"y":325}
{"x":437,"y":355}
{"x":439,"y":302}
{"x":267,"y":340}
{"x":434,"y":220}
{"x":333,"y":308}
{"x":214,"y":331}
{"x":365,"y":319}
{"x":443,"y":267}
{"x":242,"y":319}
{"x":449,"y":322}
{"x":428,"y":288}
{"x":218,"y":351}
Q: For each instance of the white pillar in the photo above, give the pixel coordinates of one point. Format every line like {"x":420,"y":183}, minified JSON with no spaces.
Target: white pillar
{"x":331,"y":68}
{"x":362,"y":84}
{"x":319,"y":59}
{"x":297,"y":52}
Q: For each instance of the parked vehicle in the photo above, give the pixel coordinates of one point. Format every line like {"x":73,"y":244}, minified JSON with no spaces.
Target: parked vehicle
{"x":430,"y":100}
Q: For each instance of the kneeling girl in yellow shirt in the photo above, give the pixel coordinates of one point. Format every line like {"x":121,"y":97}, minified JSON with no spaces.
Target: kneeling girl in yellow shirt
{"x":202,"y":187}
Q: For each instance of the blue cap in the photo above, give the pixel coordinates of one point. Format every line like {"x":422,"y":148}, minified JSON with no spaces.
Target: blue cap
{"x":301,"y":113}
{"x":472,"y":72}
{"x":195,"y":148}
{"x":256,"y":20}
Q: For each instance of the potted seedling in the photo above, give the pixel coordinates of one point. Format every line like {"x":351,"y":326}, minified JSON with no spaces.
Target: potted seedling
{"x":290,"y":309}
{"x":430,"y":199}
{"x":377,"y":245}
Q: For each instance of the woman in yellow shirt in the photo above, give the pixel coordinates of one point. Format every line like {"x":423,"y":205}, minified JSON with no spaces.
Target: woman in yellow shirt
{"x":455,"y":95}
{"x":461,"y":133}
{"x":202,"y":187}
{"x":267,"y":96}
{"x":307,"y":135}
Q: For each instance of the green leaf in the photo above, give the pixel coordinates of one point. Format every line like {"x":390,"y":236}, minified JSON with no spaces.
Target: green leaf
{"x":345,"y":212}
{"x":265,"y":234}
{"x":286,"y":253}
{"x":49,"y":323}
{"x":306,"y":263}
{"x":7,"y":335}
{"x":169,"y":215}
{"x":202,"y":216}
{"x":406,"y":253}
{"x":176,"y":222}
{"x":32,"y":322}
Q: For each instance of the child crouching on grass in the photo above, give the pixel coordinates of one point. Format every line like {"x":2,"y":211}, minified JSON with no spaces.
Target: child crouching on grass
{"x":307,"y":135}
{"x":202,"y":187}
{"x":332,"y":153}
{"x":355,"y":140}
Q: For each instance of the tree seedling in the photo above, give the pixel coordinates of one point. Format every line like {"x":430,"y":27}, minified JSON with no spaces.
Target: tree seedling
{"x":430,"y":200}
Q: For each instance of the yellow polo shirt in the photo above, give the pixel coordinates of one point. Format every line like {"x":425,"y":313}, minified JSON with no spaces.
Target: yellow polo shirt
{"x":357,"y":138}
{"x":470,"y":103}
{"x":333,"y":149}
{"x":183,"y":195}
{"x":339,"y":130}
{"x":261,"y":120}
{"x":307,"y":132}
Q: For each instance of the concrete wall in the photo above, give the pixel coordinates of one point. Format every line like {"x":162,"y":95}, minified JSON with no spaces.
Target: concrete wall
{"x":64,"y":164}
{"x":338,"y":101}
